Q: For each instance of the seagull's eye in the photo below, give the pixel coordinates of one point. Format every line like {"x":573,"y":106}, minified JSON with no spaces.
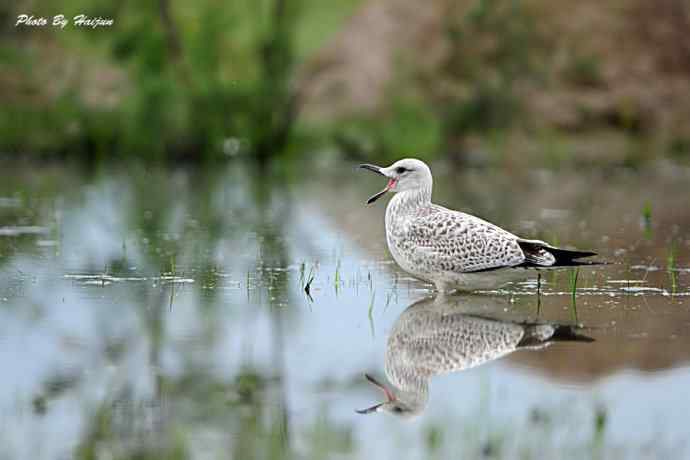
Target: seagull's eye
{"x":400,"y":170}
{"x":397,"y":409}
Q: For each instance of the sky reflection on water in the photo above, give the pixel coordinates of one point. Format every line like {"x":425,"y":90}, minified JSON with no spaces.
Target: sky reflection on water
{"x":164,"y":311}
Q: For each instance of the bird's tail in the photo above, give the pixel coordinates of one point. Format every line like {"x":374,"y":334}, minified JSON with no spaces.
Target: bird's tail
{"x":541,"y":254}
{"x":569,"y":258}
{"x":537,"y":335}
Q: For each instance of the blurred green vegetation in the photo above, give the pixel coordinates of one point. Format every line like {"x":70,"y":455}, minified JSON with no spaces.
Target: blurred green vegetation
{"x":212,"y":80}
{"x":408,"y":128}
{"x":178,"y":80}
{"x":477,"y":104}
{"x":457,"y":98}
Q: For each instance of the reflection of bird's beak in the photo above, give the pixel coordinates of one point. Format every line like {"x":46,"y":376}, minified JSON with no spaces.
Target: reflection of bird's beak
{"x":369,"y":410}
{"x":389,"y":396}
{"x":378,"y":170}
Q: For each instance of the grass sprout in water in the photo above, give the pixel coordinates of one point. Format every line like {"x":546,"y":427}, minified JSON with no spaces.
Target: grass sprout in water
{"x":336,"y":279}
{"x":671,"y":268}
{"x":307,"y":285}
{"x":647,"y":220}
{"x":370,"y":313}
{"x":172,"y":287}
{"x":538,"y":294}
{"x":574,"y":274}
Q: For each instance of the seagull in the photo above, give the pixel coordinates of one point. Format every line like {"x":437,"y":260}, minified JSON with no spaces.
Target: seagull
{"x":437,"y":336}
{"x":451,"y":249}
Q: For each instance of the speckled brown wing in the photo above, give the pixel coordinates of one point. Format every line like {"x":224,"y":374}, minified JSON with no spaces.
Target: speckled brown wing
{"x":451,"y":241}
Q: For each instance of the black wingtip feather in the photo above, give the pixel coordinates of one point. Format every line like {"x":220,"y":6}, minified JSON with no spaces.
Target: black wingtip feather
{"x":564,"y":257}
{"x":567,"y":254}
{"x":561,"y":333}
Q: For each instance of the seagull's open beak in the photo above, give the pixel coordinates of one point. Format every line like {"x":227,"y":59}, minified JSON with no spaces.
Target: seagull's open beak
{"x":375,"y":408}
{"x":378,"y":170}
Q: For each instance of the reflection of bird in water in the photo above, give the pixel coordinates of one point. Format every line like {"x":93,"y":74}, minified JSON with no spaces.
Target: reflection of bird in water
{"x":452,"y":249}
{"x":437,"y":336}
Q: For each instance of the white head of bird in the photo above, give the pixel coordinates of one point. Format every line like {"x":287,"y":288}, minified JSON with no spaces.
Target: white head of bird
{"x":404,"y":175}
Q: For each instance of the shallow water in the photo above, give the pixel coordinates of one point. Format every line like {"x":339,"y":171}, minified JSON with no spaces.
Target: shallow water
{"x":163,"y":313}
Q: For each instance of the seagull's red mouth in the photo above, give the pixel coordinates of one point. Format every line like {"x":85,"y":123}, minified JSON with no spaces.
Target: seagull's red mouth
{"x":389,"y":186}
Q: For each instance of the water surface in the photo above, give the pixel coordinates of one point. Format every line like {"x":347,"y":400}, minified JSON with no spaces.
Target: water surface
{"x":157,"y":312}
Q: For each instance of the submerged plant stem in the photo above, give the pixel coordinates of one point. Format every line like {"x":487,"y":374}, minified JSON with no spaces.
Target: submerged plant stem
{"x":538,"y":294}
{"x":573,"y":288}
{"x":671,"y":268}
